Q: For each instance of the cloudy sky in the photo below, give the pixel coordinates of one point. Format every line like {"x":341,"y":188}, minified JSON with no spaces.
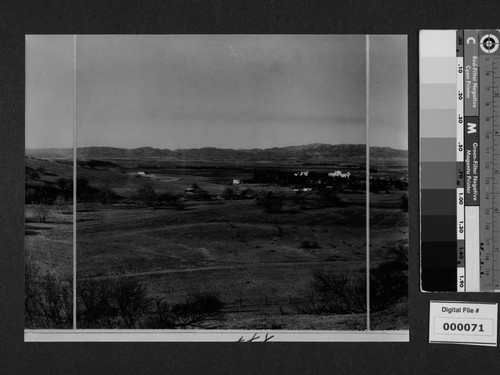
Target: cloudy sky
{"x":231,"y":91}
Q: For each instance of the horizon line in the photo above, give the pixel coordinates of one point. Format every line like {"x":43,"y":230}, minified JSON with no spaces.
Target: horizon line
{"x":213,"y":147}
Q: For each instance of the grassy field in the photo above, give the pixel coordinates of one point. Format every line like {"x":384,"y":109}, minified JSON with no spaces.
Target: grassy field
{"x":261,"y":264}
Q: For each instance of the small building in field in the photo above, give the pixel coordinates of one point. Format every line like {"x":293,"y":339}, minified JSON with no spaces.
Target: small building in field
{"x":236,"y":182}
{"x":189,"y":190}
{"x":141,"y":173}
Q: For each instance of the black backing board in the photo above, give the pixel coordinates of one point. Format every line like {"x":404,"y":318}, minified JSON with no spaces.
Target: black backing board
{"x":18,"y":18}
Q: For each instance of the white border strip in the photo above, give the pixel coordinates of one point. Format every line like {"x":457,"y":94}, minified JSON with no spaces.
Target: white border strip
{"x":84,"y":335}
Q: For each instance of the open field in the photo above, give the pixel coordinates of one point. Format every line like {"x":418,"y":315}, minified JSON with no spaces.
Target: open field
{"x":209,"y":236}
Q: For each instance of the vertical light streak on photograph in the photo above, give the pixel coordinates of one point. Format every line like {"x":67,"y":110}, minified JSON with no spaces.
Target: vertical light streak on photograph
{"x":367,"y":182}
{"x":74,"y":182}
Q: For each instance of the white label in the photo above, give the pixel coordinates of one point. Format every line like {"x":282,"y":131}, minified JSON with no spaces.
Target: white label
{"x":463,"y":323}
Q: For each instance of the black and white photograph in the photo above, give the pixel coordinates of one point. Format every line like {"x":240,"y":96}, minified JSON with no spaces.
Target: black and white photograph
{"x":221,"y":185}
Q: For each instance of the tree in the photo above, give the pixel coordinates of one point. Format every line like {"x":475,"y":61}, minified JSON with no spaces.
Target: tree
{"x":106,"y":195}
{"x":168,"y":197}
{"x":111,"y":304}
{"x":229,"y":193}
{"x":180,"y":204}
{"x":41,"y":212}
{"x":66,"y":186}
{"x":272,"y":203}
{"x":60,"y":202}
{"x":148,"y":194}
{"x":131,"y":302}
{"x":47,"y":298}
{"x":95,"y":304}
{"x":347,"y":293}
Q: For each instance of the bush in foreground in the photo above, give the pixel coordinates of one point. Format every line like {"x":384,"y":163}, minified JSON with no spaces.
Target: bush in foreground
{"x":343,"y":294}
{"x":198,"y":311}
{"x":111,"y":304}
{"x":125,"y":304}
{"x":48,"y":301}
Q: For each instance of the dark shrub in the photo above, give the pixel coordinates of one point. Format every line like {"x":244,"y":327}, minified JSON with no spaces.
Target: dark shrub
{"x":199,"y":310}
{"x":229,"y":193}
{"x":95,"y":304}
{"x":404,"y":202}
{"x":308,"y":244}
{"x":106,"y":195}
{"x":147,"y":194}
{"x":272,"y":203}
{"x":329,"y":198}
{"x":111,"y":304}
{"x":344,"y":294}
{"x":48,"y":301}
{"x":131,"y":302}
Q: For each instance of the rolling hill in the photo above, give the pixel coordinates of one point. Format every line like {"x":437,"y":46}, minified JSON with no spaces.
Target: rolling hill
{"x":310,"y":151}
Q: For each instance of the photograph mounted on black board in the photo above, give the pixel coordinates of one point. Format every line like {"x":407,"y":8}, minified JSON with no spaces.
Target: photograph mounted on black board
{"x":206,"y":187}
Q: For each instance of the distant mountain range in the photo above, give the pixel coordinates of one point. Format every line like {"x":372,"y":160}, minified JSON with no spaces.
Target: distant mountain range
{"x":310,"y":151}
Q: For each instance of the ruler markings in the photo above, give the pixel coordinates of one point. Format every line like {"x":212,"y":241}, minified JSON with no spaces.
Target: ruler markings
{"x":460,"y":199}
{"x":477,"y":177}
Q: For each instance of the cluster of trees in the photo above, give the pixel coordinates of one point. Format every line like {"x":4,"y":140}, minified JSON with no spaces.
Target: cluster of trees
{"x":271,"y":202}
{"x":379,"y":185}
{"x":48,"y":299}
{"x":48,"y":303}
{"x":63,"y":189}
{"x":34,"y":173}
{"x":344,"y":294}
{"x":231,"y":193}
{"x":149,"y":197}
{"x":125,"y":304}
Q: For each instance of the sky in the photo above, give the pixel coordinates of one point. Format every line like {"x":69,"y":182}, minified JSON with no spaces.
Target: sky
{"x":228,"y":91}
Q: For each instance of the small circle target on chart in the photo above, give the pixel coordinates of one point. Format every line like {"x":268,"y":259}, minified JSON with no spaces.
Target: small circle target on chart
{"x":489,"y":43}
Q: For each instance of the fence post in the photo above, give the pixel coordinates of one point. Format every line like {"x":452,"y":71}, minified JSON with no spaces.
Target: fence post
{"x":266,"y":301}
